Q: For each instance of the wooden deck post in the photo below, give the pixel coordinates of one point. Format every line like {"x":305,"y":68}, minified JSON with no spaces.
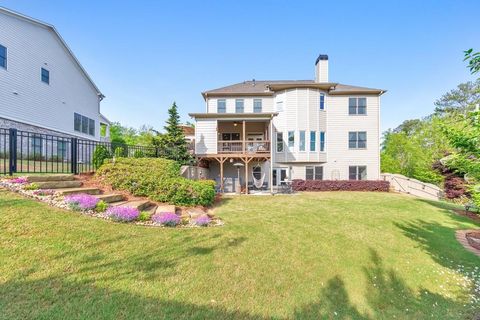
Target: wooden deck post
{"x":246,"y":176}
{"x":221,"y":175}
{"x":244,"y":137}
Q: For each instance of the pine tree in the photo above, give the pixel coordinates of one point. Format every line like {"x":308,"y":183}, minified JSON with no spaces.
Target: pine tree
{"x":173,"y":142}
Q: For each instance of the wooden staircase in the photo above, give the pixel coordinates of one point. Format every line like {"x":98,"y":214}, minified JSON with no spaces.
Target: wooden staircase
{"x":67,"y":184}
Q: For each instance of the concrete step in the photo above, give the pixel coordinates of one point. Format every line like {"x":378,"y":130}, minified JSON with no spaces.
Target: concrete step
{"x":58,"y":184}
{"x":67,"y":191}
{"x":51,"y":177}
{"x":110,"y":198}
{"x":162,"y":208}
{"x":138,"y":204}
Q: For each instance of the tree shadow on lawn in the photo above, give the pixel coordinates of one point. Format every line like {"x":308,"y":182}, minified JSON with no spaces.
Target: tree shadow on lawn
{"x":386,"y":294}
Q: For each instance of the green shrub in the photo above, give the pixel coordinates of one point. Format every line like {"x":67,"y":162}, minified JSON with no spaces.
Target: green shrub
{"x":101,"y":206}
{"x":99,"y":155}
{"x":138,"y":154}
{"x":31,"y":186}
{"x":158,"y":179}
{"x":119,"y":152}
{"x":144,"y":216}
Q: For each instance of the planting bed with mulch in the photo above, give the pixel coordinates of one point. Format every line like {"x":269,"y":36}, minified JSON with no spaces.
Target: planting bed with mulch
{"x":473,"y":239}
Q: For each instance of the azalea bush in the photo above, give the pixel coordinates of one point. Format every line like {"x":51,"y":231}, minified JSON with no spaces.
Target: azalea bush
{"x":158,"y":179}
{"x":123,"y":214}
{"x":81,"y":201}
{"x":166,"y":218}
{"x":203,"y":221}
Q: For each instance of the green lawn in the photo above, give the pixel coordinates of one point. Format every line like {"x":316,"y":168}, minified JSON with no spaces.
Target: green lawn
{"x":309,"y":256}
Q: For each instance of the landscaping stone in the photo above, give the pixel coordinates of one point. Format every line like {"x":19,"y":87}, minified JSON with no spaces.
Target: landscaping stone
{"x":195,"y":212}
{"x":59,"y":184}
{"x":54,"y":177}
{"x":110,"y":198}
{"x":165,"y":208}
{"x":138,"y":204}
{"x":67,"y":191}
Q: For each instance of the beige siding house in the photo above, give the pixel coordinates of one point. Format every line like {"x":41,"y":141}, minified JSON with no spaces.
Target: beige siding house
{"x":263,"y":134}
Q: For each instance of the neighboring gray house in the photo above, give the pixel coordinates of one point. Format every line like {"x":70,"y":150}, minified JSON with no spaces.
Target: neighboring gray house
{"x":275,"y":131}
{"x":43,"y":87}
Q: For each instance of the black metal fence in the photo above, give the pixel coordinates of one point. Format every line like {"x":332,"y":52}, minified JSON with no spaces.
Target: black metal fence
{"x":29,"y":152}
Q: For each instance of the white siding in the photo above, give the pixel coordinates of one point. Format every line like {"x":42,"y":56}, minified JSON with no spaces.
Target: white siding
{"x":205,"y":136}
{"x":267,"y":104}
{"x":25,"y":98}
{"x":339,"y":123}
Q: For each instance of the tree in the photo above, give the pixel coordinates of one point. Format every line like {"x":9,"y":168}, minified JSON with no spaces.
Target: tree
{"x":459,"y":100}
{"x":173,"y":143}
{"x":473,"y":59}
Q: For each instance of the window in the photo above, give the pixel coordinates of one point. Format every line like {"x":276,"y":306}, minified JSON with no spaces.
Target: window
{"x":239,"y":106}
{"x":45,"y":76}
{"x":291,"y":139}
{"x":37,"y":145}
{"x":279,"y":106}
{"x":83,"y":124}
{"x":302,"y":140}
{"x":357,"y":172}
{"x":279,"y":142}
{"x":77,"y":122}
{"x":357,"y":106}
{"x":357,"y":140}
{"x":61,"y":149}
{"x":322,"y":141}
{"x":257,"y":105}
{"x":322,"y":101}
{"x":313,"y":140}
{"x":314,"y":173}
{"x":221,"y":106}
{"x":230,"y":136}
{"x":3,"y":57}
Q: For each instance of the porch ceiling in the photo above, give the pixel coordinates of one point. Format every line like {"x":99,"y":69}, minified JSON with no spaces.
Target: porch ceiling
{"x":234,"y":116}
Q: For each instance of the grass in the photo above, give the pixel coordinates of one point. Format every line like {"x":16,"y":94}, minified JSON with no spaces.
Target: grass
{"x":309,"y":256}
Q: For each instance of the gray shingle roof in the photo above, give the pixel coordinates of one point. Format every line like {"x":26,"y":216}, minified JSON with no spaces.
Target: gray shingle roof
{"x":268,"y":87}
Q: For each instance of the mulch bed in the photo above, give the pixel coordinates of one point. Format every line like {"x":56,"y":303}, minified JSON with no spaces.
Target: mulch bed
{"x":473,"y":239}
{"x":472,"y":215}
{"x":463,"y":238}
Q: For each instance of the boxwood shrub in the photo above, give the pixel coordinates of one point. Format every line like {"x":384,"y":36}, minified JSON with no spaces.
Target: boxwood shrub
{"x":341,"y":185}
{"x":158,"y":179}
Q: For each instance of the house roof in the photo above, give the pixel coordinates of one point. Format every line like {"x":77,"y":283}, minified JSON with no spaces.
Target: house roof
{"x":234,"y":116}
{"x":268,"y":88}
{"x":55,"y":32}
{"x":187,"y":130}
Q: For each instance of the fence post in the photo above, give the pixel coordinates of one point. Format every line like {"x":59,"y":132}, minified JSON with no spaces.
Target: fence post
{"x":74,"y":152}
{"x":12,"y":141}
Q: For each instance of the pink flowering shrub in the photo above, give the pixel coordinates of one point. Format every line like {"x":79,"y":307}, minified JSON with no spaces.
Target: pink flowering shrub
{"x":203,"y":221}
{"x":81,"y":202}
{"x":123,"y":214}
{"x":19,"y":180}
{"x":168,"y":219}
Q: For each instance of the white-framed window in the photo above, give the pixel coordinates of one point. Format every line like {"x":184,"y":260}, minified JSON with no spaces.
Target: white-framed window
{"x":322,"y":140}
{"x":257,"y":105}
{"x":83,"y":124}
{"x":357,"y":172}
{"x":45,"y":76}
{"x":279,"y":142}
{"x":221,"y":106}
{"x":322,"y":101}
{"x":314,"y":173}
{"x":302,"y":140}
{"x":3,"y":57}
{"x":357,"y":106}
{"x":313,"y":140}
{"x":291,"y":139}
{"x":227,"y":136}
{"x":357,"y":140}
{"x":239,"y":105}
{"x":279,"y":106}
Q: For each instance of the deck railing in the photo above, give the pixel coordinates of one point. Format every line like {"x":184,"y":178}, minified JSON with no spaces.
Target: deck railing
{"x":243,"y":147}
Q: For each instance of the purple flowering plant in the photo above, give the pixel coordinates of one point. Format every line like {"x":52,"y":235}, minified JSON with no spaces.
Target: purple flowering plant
{"x":168,"y":219}
{"x":20,"y":180}
{"x":44,"y":192}
{"x":203,"y":221}
{"x":81,"y":201}
{"x":123,"y":214}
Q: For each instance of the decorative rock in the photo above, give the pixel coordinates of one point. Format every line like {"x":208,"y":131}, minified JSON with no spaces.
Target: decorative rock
{"x":195,"y":212}
{"x":53,"y":177}
{"x":165,"y":208}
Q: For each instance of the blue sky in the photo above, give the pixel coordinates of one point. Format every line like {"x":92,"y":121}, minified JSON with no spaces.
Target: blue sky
{"x":143,"y":55}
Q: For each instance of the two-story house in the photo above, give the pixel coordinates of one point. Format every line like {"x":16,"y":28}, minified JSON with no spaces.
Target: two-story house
{"x":43,"y":87}
{"x":262,"y":134}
